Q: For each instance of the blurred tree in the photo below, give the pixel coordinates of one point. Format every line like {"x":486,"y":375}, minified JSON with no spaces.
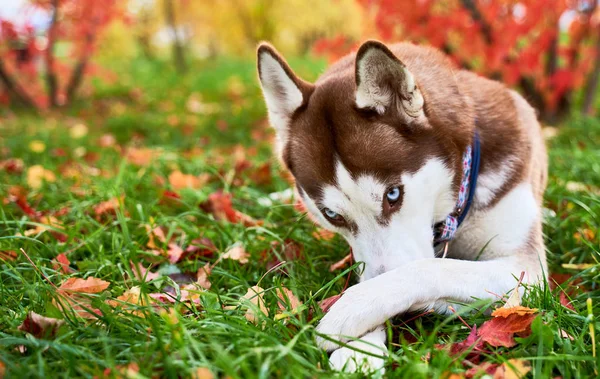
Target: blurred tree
{"x":76,"y":25}
{"x":178,"y":57}
{"x":518,"y":42}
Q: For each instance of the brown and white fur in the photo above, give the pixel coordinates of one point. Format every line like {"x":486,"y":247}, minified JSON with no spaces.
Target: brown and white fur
{"x":402,"y":116}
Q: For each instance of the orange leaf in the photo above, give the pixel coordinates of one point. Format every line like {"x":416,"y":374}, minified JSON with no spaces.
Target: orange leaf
{"x":178,"y":180}
{"x":341,"y":263}
{"x":500,"y":331}
{"x":202,"y":276}
{"x":62,"y":263}
{"x":519,"y":310}
{"x":78,"y":285}
{"x":237,"y":253}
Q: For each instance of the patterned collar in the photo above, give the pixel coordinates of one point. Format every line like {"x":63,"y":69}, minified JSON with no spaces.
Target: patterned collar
{"x":444,"y":231}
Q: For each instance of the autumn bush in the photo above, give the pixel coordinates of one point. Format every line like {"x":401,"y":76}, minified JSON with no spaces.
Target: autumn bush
{"x":548,"y":49}
{"x":32,"y":72}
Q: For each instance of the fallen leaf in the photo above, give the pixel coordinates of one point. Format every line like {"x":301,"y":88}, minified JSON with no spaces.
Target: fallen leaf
{"x":130,"y":301}
{"x":564,"y":301}
{"x":37,"y":175}
{"x":513,"y":369}
{"x":347,"y":260}
{"x":500,"y":330}
{"x":155,"y":232}
{"x":291,"y":251}
{"x":174,"y":252}
{"x":40,"y":326}
{"x":324,"y":234}
{"x":200,"y":247}
{"x":518,"y":310}
{"x":107,"y":207}
{"x":327,"y":303}
{"x":484,"y":368}
{"x":141,"y":156}
{"x":202,"y":373}
{"x":178,"y":180}
{"x":8,"y":255}
{"x":37,"y":146}
{"x":237,"y":253}
{"x":255,"y":297}
{"x":62,"y":262}
{"x":287,"y":300}
{"x":78,"y":131}
{"x":220,"y":206}
{"x":143,"y":274}
{"x":12,"y":165}
{"x":107,"y":140}
{"x":78,"y":285}
{"x":2,"y":370}
{"x":202,"y":276}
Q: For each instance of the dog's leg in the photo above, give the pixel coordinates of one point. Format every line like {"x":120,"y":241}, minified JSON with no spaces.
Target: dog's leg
{"x":348,"y":360}
{"x":420,"y":284}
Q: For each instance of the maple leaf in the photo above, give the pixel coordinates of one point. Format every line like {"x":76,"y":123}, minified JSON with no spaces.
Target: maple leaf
{"x":37,"y":175}
{"x":500,"y":330}
{"x":62,"y":262}
{"x":341,"y":263}
{"x":78,"y":285}
{"x":237,"y":253}
{"x":40,"y":326}
{"x":178,"y":180}
{"x":255,"y":297}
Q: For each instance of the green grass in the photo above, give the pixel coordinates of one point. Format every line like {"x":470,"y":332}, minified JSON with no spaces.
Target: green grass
{"x":146,"y":106}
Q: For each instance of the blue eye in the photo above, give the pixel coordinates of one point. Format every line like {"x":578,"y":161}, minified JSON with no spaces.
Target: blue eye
{"x":329,"y":213}
{"x":393,"y":194}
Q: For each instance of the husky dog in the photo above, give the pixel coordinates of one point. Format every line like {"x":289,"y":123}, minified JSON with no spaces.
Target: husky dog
{"x":433,"y":175}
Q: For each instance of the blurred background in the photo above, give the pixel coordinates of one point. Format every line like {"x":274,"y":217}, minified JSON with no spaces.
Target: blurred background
{"x":53,"y":51}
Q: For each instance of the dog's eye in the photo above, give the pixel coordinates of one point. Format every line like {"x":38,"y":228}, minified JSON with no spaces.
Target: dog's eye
{"x":334,"y":217}
{"x":393,"y":195}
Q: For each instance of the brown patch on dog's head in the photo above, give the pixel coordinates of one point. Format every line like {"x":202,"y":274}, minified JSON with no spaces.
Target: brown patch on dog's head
{"x":382,"y":111}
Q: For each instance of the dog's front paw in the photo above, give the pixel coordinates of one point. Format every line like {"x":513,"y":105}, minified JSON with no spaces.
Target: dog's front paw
{"x":347,"y":359}
{"x":354,"y":314}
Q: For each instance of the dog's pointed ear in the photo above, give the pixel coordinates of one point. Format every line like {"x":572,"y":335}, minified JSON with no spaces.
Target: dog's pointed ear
{"x":383,"y":82}
{"x":283,"y":91}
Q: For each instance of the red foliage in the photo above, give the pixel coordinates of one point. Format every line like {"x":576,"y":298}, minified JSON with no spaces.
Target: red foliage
{"x":30,"y":73}
{"x":518,"y":42}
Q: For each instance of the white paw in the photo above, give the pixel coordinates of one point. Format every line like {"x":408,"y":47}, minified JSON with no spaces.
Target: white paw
{"x":354,"y":314}
{"x":346,"y":359}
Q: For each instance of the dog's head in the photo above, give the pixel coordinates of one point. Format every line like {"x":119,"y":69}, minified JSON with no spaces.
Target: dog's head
{"x":375,"y":145}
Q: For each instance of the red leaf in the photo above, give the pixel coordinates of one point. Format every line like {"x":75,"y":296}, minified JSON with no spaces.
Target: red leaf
{"x":220,"y":206}
{"x":347,"y":260}
{"x":62,"y":263}
{"x":500,"y":331}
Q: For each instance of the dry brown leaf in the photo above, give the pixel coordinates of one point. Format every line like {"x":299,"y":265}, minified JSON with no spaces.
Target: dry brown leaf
{"x":178,"y":180}
{"x":174,"y":252}
{"x":237,"y":253}
{"x":37,"y":175}
{"x":341,"y":263}
{"x":255,"y":296}
{"x":40,"y":326}
{"x":78,"y":285}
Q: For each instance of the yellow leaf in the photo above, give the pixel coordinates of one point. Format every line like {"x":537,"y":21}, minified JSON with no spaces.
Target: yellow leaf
{"x":37,"y":146}
{"x":36,"y":175}
{"x":513,"y":369}
{"x":78,"y":131}
{"x":519,"y":310}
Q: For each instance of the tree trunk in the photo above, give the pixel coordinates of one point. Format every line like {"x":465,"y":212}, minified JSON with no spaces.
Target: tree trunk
{"x":14,"y":90}
{"x":178,"y":56}
{"x":51,"y":81}
{"x":591,"y":85}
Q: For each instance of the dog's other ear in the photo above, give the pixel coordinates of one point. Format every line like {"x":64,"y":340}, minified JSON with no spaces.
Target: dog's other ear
{"x":284,"y":92}
{"x":383,"y":82}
